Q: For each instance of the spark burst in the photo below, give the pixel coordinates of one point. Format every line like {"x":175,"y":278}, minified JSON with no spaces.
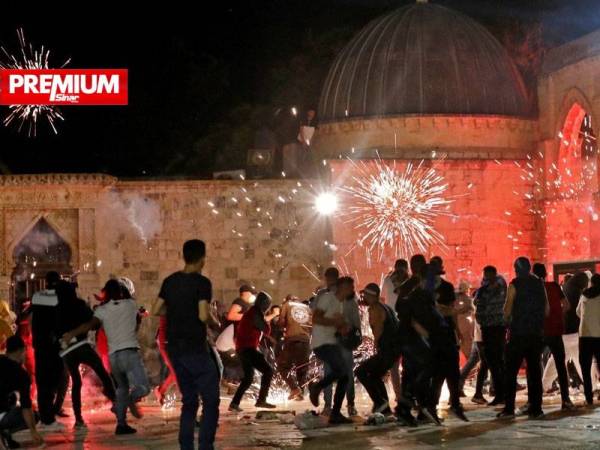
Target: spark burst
{"x":395,"y":210}
{"x":30,"y":58}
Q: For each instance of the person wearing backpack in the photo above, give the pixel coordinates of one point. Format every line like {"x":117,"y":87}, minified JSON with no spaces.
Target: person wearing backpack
{"x":385,"y":326}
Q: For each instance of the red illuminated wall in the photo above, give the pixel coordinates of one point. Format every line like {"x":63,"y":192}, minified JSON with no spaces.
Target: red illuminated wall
{"x":493,"y":223}
{"x":571,"y":215}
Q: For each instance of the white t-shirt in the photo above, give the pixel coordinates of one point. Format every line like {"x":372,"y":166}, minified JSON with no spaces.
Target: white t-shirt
{"x":119,"y":320}
{"x":387,"y":290}
{"x":330,"y":305}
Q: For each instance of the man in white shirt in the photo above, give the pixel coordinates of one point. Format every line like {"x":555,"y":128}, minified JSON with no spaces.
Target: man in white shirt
{"x":328,"y":319}
{"x":118,"y":316}
{"x":389,"y":290}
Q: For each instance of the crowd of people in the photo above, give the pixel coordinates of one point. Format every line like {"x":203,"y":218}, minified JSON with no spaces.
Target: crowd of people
{"x":417,"y":322}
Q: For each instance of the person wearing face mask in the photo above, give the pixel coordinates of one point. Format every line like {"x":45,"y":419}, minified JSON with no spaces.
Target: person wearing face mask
{"x":253,"y":326}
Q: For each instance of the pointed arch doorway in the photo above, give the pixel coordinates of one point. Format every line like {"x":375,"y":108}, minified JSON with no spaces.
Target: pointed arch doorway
{"x":41,"y":250}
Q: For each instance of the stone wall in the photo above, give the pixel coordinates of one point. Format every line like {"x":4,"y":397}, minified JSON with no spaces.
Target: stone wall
{"x":490,"y":222}
{"x":262,"y":232}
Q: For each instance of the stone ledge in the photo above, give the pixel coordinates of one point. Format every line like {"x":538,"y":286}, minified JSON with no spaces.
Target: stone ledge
{"x":91,"y":179}
{"x":429,"y":121}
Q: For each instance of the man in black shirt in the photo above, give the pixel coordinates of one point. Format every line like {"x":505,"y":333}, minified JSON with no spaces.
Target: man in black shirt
{"x":240,"y":305}
{"x":14,"y":379}
{"x":444,"y":340}
{"x":184,"y":299}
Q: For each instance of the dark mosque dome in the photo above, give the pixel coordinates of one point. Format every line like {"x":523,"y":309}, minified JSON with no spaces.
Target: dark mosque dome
{"x":422,"y":59}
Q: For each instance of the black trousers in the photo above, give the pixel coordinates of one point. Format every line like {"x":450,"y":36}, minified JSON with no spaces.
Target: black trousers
{"x":528,"y":348}
{"x":446,"y":361}
{"x":417,"y":372}
{"x":494,"y":343}
{"x":294,"y":358}
{"x":370,"y":373}
{"x":49,"y":370}
{"x":589,"y":348}
{"x":88,"y":356}
{"x":253,"y":359}
{"x":557,"y":348}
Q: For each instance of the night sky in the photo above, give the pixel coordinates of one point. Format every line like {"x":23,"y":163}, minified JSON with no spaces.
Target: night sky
{"x":203,"y":78}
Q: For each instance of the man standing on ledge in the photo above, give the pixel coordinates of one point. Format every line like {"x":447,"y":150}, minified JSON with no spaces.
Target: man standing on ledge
{"x":184,"y":299}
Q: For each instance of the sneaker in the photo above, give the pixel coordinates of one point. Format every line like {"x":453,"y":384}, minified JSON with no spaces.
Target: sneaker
{"x":235,"y":408}
{"x":539,"y":415}
{"x":265,"y":404}
{"x":496,"y":402}
{"x":387,"y":412}
{"x":135,"y":410}
{"x":504,"y":414}
{"x":61,"y":413}
{"x":339,"y":419}
{"x":568,"y":406}
{"x":79,"y":425}
{"x":313,"y":394}
{"x":352,"y":411}
{"x":459,"y":412}
{"x":405,"y":418}
{"x":431,"y":415}
{"x":553,"y":390}
{"x":523,"y":410}
{"x":54,"y":426}
{"x":125,"y":429}
{"x":381,"y":408}
{"x":479,"y":400}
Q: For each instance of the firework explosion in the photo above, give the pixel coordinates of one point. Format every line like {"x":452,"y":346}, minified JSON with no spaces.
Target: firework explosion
{"x":395,"y":210}
{"x":29,"y":58}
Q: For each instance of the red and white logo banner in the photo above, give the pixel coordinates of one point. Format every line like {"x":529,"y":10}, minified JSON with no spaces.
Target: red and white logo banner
{"x":63,"y":87}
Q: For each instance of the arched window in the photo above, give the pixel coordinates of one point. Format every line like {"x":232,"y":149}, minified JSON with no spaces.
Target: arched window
{"x":41,"y":250}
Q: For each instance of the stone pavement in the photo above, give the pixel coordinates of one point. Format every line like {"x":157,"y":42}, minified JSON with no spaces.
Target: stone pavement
{"x":158,"y":430}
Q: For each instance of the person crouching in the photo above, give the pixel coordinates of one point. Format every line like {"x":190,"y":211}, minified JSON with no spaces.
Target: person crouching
{"x":385,"y":326}
{"x":250,"y":331}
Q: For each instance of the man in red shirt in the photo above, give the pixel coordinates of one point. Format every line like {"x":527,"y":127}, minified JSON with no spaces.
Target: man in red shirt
{"x":554,"y":329}
{"x":250,"y":331}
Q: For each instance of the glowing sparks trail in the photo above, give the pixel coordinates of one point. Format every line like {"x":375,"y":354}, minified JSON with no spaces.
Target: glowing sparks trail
{"x":395,"y":210}
{"x":30,"y":58}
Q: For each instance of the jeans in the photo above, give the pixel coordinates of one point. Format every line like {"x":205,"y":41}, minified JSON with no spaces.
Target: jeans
{"x":294,"y":357}
{"x":589,"y":348}
{"x":86,"y":355}
{"x":528,"y":348}
{"x":332,"y":355}
{"x":197,"y":375}
{"x":494,"y":343}
{"x":132,"y":382}
{"x":253,"y":359}
{"x":571,"y":342}
{"x":557,"y":348}
{"x":370,"y":373}
{"x":48,"y":369}
{"x":465,"y":371}
{"x":350,"y":392}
